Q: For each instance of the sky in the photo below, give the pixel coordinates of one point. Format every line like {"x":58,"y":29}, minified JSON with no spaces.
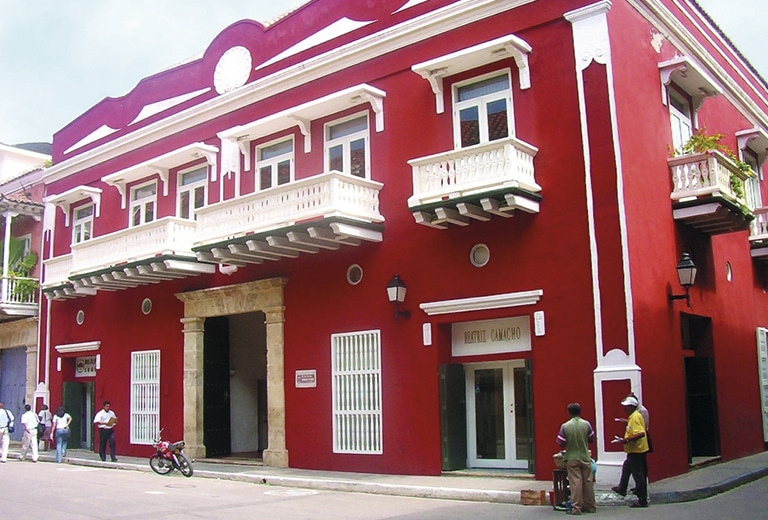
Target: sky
{"x":58,"y":58}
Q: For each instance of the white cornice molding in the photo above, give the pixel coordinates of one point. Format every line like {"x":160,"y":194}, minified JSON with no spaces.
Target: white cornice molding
{"x":673,"y":29}
{"x":588,"y":11}
{"x":78,"y":193}
{"x":480,"y":303}
{"x":88,"y":346}
{"x":391,"y":39}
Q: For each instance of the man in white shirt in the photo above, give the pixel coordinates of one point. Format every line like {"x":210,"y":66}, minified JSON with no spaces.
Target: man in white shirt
{"x":6,"y":420}
{"x":30,"y":421}
{"x":106,"y":419}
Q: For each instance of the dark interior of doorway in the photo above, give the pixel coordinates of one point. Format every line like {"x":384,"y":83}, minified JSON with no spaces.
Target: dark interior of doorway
{"x":216,"y":418}
{"x":235,"y":419}
{"x":701,"y":394}
{"x":78,"y":403}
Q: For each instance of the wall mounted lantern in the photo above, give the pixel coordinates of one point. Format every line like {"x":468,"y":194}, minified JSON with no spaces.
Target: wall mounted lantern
{"x":396,"y":294}
{"x":686,"y":273}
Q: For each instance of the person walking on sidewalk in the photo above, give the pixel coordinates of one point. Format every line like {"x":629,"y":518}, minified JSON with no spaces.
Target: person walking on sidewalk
{"x":6,"y":423}
{"x":106,"y":419}
{"x":46,"y":418}
{"x":60,"y":426}
{"x":575,"y":436}
{"x":29,"y":440}
{"x":636,"y":447}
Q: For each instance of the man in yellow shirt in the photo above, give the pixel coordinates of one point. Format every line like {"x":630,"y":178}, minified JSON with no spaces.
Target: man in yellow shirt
{"x":635,"y":444}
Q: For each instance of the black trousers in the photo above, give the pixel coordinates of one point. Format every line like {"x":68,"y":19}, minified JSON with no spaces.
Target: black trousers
{"x":107,"y":435}
{"x":636,"y":465}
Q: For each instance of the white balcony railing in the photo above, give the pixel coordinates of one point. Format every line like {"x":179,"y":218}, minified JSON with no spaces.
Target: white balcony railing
{"x":704,"y":175}
{"x":325,"y":195}
{"x":168,"y":235}
{"x":56,"y":270}
{"x":19,"y":291}
{"x":758,"y":228}
{"x":471,"y":170}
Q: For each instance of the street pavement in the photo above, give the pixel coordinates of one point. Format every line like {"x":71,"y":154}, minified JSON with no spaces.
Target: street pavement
{"x":481,"y":486}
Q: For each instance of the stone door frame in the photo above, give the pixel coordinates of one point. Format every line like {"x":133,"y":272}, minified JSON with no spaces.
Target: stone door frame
{"x":259,"y":296}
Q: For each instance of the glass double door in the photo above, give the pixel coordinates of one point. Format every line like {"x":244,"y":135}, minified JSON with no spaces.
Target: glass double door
{"x":498,"y":415}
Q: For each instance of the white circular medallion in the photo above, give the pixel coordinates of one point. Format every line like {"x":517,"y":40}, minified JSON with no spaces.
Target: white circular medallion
{"x":232,"y":70}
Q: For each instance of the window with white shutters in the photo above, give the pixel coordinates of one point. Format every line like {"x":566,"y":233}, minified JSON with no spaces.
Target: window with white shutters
{"x":762,"y":365}
{"x":145,"y":396}
{"x":356,"y":386}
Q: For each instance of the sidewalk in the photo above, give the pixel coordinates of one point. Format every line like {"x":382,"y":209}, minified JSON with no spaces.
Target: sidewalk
{"x":480,"y":486}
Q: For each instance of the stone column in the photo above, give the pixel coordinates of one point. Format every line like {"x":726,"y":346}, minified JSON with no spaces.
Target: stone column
{"x":193,"y":386}
{"x":276,"y":454}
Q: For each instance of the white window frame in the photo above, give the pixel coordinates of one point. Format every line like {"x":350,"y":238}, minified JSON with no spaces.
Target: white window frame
{"x":141,"y":204}
{"x":752,"y":184}
{"x":274,"y":162}
{"x":356,"y":381}
{"x":346,"y":141}
{"x":191,"y":188}
{"x":481,"y":102}
{"x":145,"y":396}
{"x":682,"y":124}
{"x":81,"y":223}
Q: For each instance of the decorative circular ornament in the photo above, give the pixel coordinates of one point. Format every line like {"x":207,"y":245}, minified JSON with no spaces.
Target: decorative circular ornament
{"x":354,"y":274}
{"x":479,"y":255}
{"x":80,"y":318}
{"x":146,"y":306}
{"x":232,"y":70}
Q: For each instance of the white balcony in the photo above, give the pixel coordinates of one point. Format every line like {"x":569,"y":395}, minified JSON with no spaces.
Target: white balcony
{"x":165,"y":236}
{"x":18,"y":298}
{"x":319,"y":212}
{"x":758,"y":234}
{"x":474,"y":183}
{"x":704,"y":193}
{"x":56,"y":271}
{"x":159,"y":250}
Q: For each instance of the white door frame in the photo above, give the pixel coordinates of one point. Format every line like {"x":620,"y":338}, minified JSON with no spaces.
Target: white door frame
{"x":510,"y":449}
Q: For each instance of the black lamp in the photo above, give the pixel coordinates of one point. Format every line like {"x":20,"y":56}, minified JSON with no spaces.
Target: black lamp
{"x":686,"y":273}
{"x":396,"y":294}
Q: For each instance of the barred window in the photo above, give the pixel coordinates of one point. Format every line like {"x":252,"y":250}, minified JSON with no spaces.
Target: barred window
{"x":145,"y":396}
{"x":356,"y":386}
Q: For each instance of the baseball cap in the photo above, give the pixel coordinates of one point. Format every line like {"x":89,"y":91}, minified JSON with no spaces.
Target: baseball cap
{"x":629,"y":401}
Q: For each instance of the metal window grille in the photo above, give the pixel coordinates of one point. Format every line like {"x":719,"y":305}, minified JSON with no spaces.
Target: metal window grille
{"x":145,"y":396}
{"x":356,"y":387}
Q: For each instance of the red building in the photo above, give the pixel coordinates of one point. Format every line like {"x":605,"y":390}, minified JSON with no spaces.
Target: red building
{"x":221,"y":242}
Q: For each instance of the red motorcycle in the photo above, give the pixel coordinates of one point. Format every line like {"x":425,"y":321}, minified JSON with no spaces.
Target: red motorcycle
{"x":170,"y":456}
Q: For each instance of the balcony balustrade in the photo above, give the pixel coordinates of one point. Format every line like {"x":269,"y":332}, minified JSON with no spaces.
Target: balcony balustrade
{"x":334,"y":207}
{"x":706,"y":195}
{"x":474,"y":183}
{"x":149,"y":253}
{"x":165,"y":236}
{"x":758,"y":234}
{"x":18,"y":297}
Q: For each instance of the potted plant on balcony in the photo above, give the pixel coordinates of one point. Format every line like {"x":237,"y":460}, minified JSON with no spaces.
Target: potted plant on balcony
{"x":23,"y":285}
{"x":701,"y":142}
{"x":20,"y":269}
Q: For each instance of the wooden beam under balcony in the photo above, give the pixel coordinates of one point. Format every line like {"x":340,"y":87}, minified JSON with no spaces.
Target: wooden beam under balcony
{"x":713,"y":216}
{"x":478,"y":207}
{"x":327,"y":234}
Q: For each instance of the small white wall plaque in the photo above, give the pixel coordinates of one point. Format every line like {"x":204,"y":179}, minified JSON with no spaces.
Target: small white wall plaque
{"x":306,"y":378}
{"x":426,"y":330}
{"x":538,"y":323}
{"x":85,"y":366}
